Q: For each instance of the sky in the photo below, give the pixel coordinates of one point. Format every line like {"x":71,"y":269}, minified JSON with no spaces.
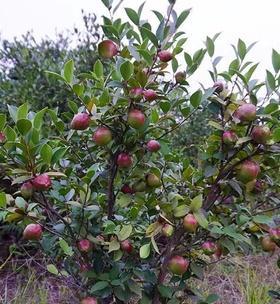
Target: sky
{"x":251,"y":20}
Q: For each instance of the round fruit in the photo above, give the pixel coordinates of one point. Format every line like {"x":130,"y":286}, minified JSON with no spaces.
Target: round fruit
{"x":26,"y":190}
{"x":190,"y":223}
{"x":107,"y":49}
{"x":180,"y":77}
{"x":219,"y":87}
{"x":32,"y":232}
{"x":136,"y":119}
{"x":178,"y":265}
{"x":126,"y":189}
{"x":267,"y":244}
{"x":126,"y":246}
{"x":246,"y":112}
{"x":42,"y":182}
{"x":84,"y":245}
{"x":229,"y":138}
{"x":248,"y":171}
{"x":260,"y":134}
{"x":153,"y":145}
{"x":80,"y":121}
{"x":153,"y":180}
{"x":150,"y":95}
{"x":124,"y":160}
{"x":274,"y":234}
{"x":167,"y":230}
{"x":89,"y":300}
{"x":209,"y":247}
{"x":136,"y":93}
{"x":102,"y":136}
{"x":165,"y":56}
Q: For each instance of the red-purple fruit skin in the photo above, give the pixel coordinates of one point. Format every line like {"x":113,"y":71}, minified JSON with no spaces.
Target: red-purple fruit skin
{"x":136,"y":119}
{"x":167,"y":230}
{"x":190,"y":223}
{"x":274,"y":234}
{"x":89,"y":300}
{"x":150,"y":95}
{"x":84,"y":245}
{"x":26,"y":190}
{"x":165,"y":56}
{"x":107,"y":49}
{"x":229,"y":138}
{"x":260,"y":134}
{"x":102,"y":136}
{"x":42,"y":182}
{"x":136,"y":93}
{"x":2,"y":137}
{"x":80,"y":121}
{"x":246,"y":112}
{"x":219,"y":87}
{"x":209,"y":247}
{"x":153,"y":145}
{"x":178,"y":265}
{"x":180,"y":77}
{"x":153,"y":181}
{"x":126,"y":189}
{"x":124,"y":160}
{"x":32,"y":232}
{"x":248,"y":171}
{"x":267,"y":244}
{"x":126,"y":246}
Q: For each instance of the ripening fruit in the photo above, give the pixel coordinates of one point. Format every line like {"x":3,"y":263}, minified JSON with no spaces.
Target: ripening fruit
{"x":136,"y":93}
{"x":150,"y":95}
{"x":180,"y":77}
{"x":2,"y":137}
{"x":102,"y":136}
{"x":209,"y":247}
{"x":267,"y":244}
{"x":190,"y":223}
{"x":126,"y":189}
{"x":42,"y":182}
{"x":165,"y":56}
{"x":80,"y":121}
{"x":26,"y":190}
{"x":246,"y":112}
{"x":167,"y":230}
{"x":260,"y":134}
{"x":219,"y":87}
{"x":153,"y":145}
{"x":229,"y":138}
{"x":178,"y":265}
{"x":136,"y":119}
{"x":274,"y":234}
{"x":153,"y":180}
{"x":126,"y":246}
{"x":247,"y":171}
{"x":89,"y":300}
{"x":124,"y":160}
{"x":32,"y":232}
{"x":84,"y":245}
{"x":107,"y":49}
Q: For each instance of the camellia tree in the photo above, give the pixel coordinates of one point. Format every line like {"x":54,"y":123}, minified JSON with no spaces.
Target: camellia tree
{"x":110,"y":202}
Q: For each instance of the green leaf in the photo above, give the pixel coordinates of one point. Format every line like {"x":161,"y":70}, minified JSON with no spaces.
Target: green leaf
{"x":114,"y":245}
{"x":132,"y":15}
{"x":270,"y":80}
{"x":99,"y":286}
{"x":104,"y":99}
{"x":212,"y":298}
{"x":10,"y":133}
{"x":276,"y":134}
{"x":182,"y":17}
{"x":262,"y":219}
{"x":196,"y":203}
{"x":65,"y":247}
{"x":3,"y":120}
{"x":242,"y":50}
{"x":3,"y":200}
{"x":276,"y":61}
{"x":24,"y":126}
{"x":165,"y":291}
{"x":155,"y":245}
{"x":154,"y":116}
{"x":146,"y":55}
{"x":68,"y":71}
{"x":52,"y":269}
{"x":125,"y":232}
{"x":215,"y":125}
{"x":22,"y":111}
{"x":201,"y":218}
{"x":55,"y":75}
{"x":78,"y":89}
{"x":98,"y":69}
{"x":46,"y":153}
{"x":38,"y":118}
{"x":126,"y":70}
{"x":147,"y":33}
{"x":210,"y":46}
{"x":145,"y":251}
{"x":181,"y":211}
{"x":13,"y":112}
{"x":58,"y":154}
{"x":195,"y":98}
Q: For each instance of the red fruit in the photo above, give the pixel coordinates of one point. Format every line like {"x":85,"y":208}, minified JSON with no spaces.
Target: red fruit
{"x":126,"y":189}
{"x":178,"y":265}
{"x":84,"y":245}
{"x":229,"y":138}
{"x":150,"y":95}
{"x":89,"y":300}
{"x":32,"y":232}
{"x":190,"y":223}
{"x":42,"y":182}
{"x":124,"y":160}
{"x":267,"y":244}
{"x":153,"y":180}
{"x":107,"y":49}
{"x":153,"y":145}
{"x":248,"y":171}
{"x":136,"y":119}
{"x":246,"y":112}
{"x":180,"y":77}
{"x":274,"y":234}
{"x":2,"y":137}
{"x":165,"y":56}
{"x":218,"y":253}
{"x":126,"y":246}
{"x":209,"y":247}
{"x":102,"y":136}
{"x":26,"y":190}
{"x":167,"y":230}
{"x":80,"y":121}
{"x":136,"y":93}
{"x":219,"y":87}
{"x":260,"y":134}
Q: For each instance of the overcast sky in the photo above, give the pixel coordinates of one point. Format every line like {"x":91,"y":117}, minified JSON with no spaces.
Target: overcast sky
{"x":251,"y":20}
